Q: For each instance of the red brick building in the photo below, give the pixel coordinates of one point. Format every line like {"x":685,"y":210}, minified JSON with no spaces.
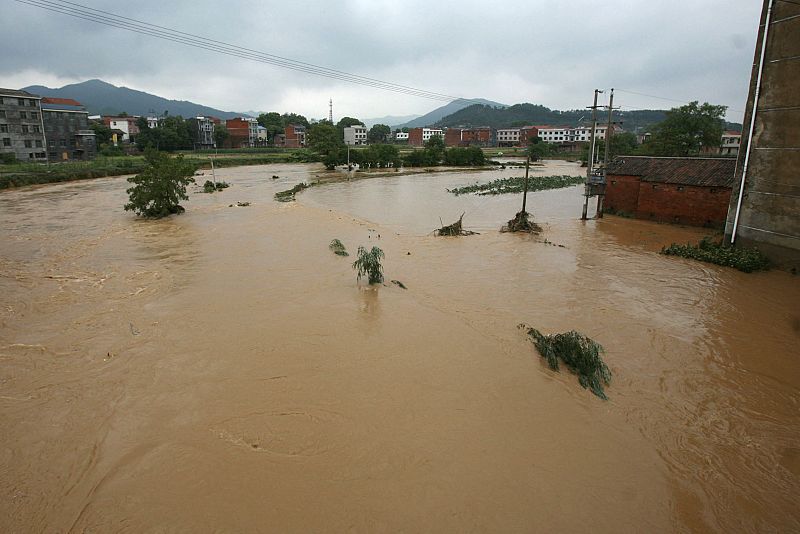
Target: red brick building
{"x":480,"y":136}
{"x":294,"y":136}
{"x":693,"y":191}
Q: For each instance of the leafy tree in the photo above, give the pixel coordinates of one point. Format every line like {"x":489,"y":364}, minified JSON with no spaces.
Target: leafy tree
{"x":435,"y":148}
{"x":379,"y":133}
{"x":463,"y":157}
{"x":221,"y":134}
{"x":273,"y":122}
{"x":538,"y":149}
{"x":102,"y":133}
{"x":380,"y":155}
{"x":346,"y":122}
{"x":622,"y":144}
{"x":294,"y":118}
{"x":172,"y":133}
{"x":687,"y":129}
{"x":158,"y":190}
{"x":324,"y":138}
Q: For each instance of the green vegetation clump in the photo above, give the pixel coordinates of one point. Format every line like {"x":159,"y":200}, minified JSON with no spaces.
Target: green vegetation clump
{"x":338,"y":248}
{"x":578,"y":352}
{"x":745,"y":259}
{"x":158,"y":190}
{"x":516,"y":184}
{"x":369,"y":264}
{"x":522,"y":223}
{"x":464,"y":157}
{"x":211,"y":187}
{"x":288,"y":195}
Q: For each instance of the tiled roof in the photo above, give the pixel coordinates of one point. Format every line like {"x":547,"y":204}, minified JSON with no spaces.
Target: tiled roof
{"x":64,"y":101}
{"x":704,"y":172}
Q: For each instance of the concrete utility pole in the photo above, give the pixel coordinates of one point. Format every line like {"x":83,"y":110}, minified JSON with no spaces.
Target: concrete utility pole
{"x":330,"y":110}
{"x":525,"y":194}
{"x":601,"y":197}
{"x":590,"y":163}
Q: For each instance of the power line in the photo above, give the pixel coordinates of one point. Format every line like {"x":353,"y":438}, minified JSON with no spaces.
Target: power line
{"x":196,"y":41}
{"x":665,"y":98}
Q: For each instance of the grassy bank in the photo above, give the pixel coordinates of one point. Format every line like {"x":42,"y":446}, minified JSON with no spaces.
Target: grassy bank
{"x":22,"y":174}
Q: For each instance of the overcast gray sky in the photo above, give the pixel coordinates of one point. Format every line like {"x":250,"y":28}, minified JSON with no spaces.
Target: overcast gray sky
{"x":544,"y":52}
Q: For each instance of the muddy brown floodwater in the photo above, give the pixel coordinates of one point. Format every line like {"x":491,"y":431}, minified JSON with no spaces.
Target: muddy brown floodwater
{"x":222,"y":370}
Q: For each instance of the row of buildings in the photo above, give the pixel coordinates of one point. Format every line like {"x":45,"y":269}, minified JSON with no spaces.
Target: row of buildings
{"x":40,"y":130}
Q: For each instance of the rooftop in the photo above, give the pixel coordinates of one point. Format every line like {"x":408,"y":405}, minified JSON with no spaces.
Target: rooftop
{"x":703,"y":172}
{"x":16,"y":92}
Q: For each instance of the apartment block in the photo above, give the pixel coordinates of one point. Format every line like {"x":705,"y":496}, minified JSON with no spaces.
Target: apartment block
{"x":21,"y":127}
{"x":66,"y":127}
{"x":355,"y":135}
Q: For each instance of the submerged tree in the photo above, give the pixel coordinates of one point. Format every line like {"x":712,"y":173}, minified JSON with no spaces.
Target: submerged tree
{"x":158,"y":190}
{"x":369,"y":264}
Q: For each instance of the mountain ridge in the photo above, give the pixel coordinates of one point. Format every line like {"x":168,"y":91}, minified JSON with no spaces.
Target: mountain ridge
{"x":103,"y":98}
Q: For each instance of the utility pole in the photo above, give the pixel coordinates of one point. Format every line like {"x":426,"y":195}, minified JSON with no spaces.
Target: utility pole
{"x":525,"y":193}
{"x":590,"y":163}
{"x":601,"y":196}
{"x":330,"y":111}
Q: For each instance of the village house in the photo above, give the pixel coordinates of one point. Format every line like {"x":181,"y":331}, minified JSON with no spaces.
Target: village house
{"x":127,"y":125}
{"x":418,"y":136}
{"x":692,"y":191}
{"x":202,"y":132}
{"x":66,"y":127}
{"x":401,"y":137}
{"x":479,"y":136}
{"x":294,"y":136}
{"x":243,"y":132}
{"x":355,"y":135}
{"x":21,"y":127}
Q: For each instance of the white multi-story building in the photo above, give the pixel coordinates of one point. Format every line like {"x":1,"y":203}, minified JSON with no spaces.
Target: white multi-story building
{"x":731,"y":141}
{"x":508,"y":136}
{"x":401,"y":136}
{"x":427,"y":133}
{"x":566,"y":134}
{"x":355,"y":135}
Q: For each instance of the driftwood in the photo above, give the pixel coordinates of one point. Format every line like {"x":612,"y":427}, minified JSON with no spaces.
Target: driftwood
{"x":521,"y":223}
{"x":454,"y":229}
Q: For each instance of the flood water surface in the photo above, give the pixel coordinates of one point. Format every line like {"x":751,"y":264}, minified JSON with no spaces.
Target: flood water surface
{"x":222,"y":370}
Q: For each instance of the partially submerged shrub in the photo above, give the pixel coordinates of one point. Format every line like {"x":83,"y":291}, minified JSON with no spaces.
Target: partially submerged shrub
{"x":211,"y":187}
{"x":288,"y":195}
{"x":338,"y":248}
{"x":369,"y":263}
{"x":158,"y":190}
{"x":745,"y":259}
{"x":521,"y":223}
{"x":580,"y":354}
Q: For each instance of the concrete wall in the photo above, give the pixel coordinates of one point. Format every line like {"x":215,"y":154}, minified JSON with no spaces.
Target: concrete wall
{"x":770,"y":206}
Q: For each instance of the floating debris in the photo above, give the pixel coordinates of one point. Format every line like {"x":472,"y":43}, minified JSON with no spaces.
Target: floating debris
{"x":338,"y":248}
{"x":288,"y":195}
{"x":580,"y":354}
{"x":242,"y":204}
{"x":399,"y":284}
{"x":516,"y":184}
{"x":211,"y":187}
{"x":522,"y":223}
{"x":454,"y":229}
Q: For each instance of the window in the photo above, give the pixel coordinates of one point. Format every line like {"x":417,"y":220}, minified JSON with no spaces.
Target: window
{"x":51,"y":142}
{"x":20,"y":101}
{"x":34,"y":115}
{"x":4,"y":128}
{"x":655,"y":187}
{"x":36,"y":128}
{"x":28,"y":143}
{"x":32,"y":103}
{"x":23,"y":114}
{"x":2,"y":114}
{"x":680,"y":188}
{"x":63,"y":142}
{"x":24,"y":128}
{"x":6,"y":141}
{"x":38,"y":144}
{"x":30,"y":155}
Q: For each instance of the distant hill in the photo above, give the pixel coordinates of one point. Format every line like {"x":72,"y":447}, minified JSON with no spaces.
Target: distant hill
{"x":390,"y":120}
{"x":438,"y":114}
{"x":101,"y":98}
{"x":639,"y":120}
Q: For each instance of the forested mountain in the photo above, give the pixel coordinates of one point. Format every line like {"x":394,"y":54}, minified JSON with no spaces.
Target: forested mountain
{"x":103,"y":98}
{"x":443,"y":111}
{"x":639,"y":120}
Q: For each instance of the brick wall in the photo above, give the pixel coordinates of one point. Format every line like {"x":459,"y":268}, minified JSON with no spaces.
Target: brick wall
{"x":415,"y":137}
{"x":683,"y":204}
{"x":622,"y":193}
